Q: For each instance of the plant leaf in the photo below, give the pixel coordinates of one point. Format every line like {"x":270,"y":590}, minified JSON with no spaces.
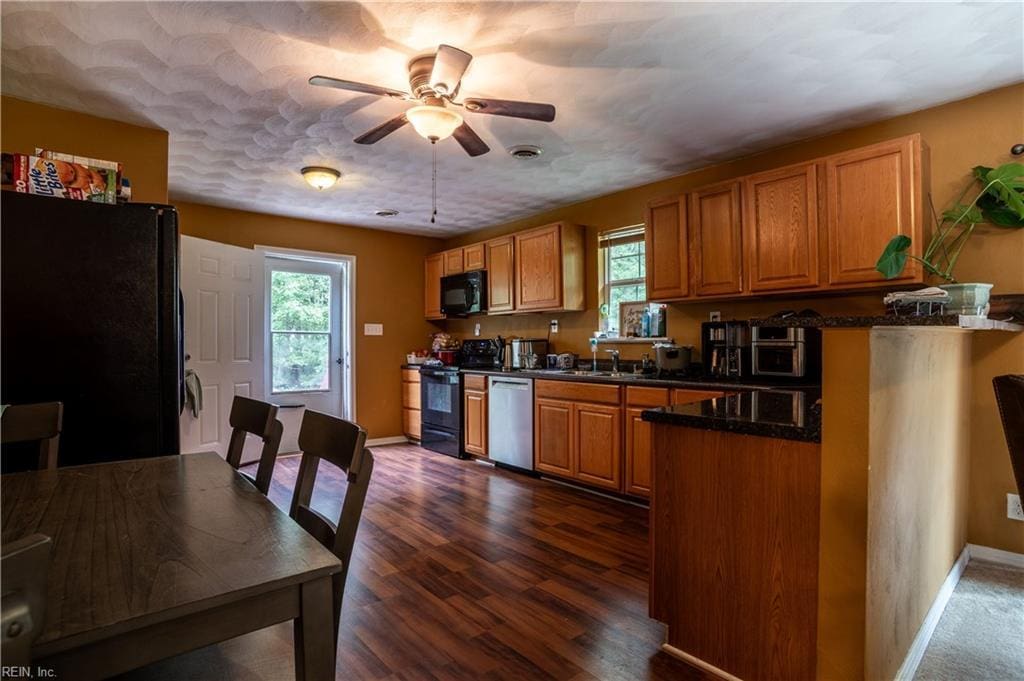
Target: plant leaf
{"x":981,"y":172}
{"x":996,"y":213}
{"x":1008,"y":172}
{"x":963,"y":214}
{"x":894,"y":257}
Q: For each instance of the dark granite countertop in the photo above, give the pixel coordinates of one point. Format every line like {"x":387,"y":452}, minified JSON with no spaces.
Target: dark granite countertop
{"x":945,"y":320}
{"x":639,"y":380}
{"x":788,"y":414}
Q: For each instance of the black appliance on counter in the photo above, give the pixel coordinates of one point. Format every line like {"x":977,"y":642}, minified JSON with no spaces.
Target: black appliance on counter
{"x":464,"y":294}
{"x":441,"y":410}
{"x":725,"y":349}
{"x":90,"y":315}
{"x":484,"y":353}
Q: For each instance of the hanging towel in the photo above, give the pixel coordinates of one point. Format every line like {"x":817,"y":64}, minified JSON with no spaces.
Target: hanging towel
{"x":193,"y":392}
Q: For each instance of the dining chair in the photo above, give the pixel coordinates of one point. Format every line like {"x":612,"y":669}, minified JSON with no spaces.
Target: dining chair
{"x":24,"y":564}
{"x":39,"y":423}
{"x":340,"y":443}
{"x":260,"y":419}
{"x":1009,"y":391}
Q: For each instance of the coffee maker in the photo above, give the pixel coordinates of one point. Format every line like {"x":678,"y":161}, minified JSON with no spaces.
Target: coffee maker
{"x":725,"y":349}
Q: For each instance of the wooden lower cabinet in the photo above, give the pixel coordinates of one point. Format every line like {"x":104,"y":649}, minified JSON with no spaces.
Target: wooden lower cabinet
{"x":637,"y":457}
{"x":411,"y":404}
{"x":553,"y":423}
{"x":598,"y":444}
{"x":474,"y":410}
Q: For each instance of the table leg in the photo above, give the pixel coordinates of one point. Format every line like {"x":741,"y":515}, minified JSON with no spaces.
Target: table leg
{"x":314,"y":632}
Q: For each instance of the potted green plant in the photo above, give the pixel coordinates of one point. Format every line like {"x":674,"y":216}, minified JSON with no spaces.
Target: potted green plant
{"x":999,"y":201}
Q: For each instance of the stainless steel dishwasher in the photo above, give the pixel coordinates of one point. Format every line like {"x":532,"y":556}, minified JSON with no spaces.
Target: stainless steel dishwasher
{"x":510,"y":421}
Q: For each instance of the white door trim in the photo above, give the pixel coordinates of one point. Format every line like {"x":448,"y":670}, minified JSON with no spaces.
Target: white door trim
{"x":348,"y":294}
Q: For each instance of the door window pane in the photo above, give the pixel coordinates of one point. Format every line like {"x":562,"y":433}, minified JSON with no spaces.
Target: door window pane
{"x":300,"y":302}
{"x":300,"y":319}
{"x":301,"y":361}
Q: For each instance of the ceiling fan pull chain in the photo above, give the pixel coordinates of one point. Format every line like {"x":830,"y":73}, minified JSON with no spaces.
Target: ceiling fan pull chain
{"x":433,"y":215}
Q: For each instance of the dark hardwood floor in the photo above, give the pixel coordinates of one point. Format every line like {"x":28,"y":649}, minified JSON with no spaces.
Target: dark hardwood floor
{"x":463,"y":571}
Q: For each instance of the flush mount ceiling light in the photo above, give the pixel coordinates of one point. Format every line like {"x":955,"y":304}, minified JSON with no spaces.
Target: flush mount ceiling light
{"x":320,"y":177}
{"x":385,"y":212}
{"x":433,"y":122}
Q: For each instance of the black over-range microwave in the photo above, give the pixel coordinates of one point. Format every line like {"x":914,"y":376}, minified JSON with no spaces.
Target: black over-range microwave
{"x":463,"y":294}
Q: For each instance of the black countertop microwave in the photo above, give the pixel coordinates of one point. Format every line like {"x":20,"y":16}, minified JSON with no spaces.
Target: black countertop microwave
{"x":464,"y":294}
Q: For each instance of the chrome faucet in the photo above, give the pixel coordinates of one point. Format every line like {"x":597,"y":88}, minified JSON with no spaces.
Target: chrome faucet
{"x":615,"y":360}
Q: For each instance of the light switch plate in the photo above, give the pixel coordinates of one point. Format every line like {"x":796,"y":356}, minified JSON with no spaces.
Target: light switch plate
{"x":554,"y":326}
{"x":373,"y":329}
{"x":476,"y":329}
{"x":715,"y":316}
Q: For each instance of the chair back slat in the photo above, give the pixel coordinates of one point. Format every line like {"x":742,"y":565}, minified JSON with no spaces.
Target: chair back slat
{"x":260,"y":419}
{"x":340,"y":443}
{"x":1009,"y":391}
{"x":40,"y":423}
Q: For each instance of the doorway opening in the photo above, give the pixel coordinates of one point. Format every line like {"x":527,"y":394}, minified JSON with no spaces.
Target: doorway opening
{"x":309,"y":338}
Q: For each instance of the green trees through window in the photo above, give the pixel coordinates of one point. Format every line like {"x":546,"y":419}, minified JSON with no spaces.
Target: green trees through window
{"x":300,"y":316}
{"x":625,"y":272}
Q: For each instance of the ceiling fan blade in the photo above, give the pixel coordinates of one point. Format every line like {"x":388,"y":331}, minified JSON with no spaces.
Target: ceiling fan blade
{"x":450,"y":64}
{"x":504,"y":107}
{"x":382,"y":130}
{"x":470,"y":141}
{"x":327,"y":81}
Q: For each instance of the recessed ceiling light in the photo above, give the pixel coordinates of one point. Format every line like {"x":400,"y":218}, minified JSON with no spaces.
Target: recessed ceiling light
{"x":385,"y":213}
{"x":320,"y":177}
{"x":525,"y":151}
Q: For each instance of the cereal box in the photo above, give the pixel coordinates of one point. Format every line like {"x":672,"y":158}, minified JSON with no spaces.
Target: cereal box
{"x":64,"y":179}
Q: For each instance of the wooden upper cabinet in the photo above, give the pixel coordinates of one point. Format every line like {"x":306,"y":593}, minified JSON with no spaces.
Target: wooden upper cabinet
{"x":872,"y":194}
{"x":667,"y":240}
{"x":715,"y":222}
{"x":433,"y":271}
{"x":780,"y":228}
{"x":501,"y":275}
{"x":474,"y":258}
{"x":454,"y":262}
{"x":549,"y":268}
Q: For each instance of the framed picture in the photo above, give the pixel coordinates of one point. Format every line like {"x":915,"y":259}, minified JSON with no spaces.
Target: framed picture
{"x":631,"y":317}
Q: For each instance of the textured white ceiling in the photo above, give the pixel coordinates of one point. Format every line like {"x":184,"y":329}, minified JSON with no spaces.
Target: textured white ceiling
{"x":644,"y":91}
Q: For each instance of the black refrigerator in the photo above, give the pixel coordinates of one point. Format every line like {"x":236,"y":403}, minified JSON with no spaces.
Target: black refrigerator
{"x":90,"y":315}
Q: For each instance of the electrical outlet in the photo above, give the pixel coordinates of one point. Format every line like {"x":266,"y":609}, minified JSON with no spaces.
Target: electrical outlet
{"x":1013,"y":508}
{"x":373,"y":329}
{"x":476,"y":329}
{"x":554,"y":326}
{"x":715,"y":316}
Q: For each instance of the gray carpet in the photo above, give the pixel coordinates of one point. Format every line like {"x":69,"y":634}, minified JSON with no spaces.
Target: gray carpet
{"x":981,"y":634}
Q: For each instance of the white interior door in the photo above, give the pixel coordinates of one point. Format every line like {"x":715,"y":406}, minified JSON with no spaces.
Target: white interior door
{"x":306,"y":354}
{"x":223,"y":289}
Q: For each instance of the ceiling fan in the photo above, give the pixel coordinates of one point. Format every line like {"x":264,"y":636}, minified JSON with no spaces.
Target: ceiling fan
{"x":434,"y":80}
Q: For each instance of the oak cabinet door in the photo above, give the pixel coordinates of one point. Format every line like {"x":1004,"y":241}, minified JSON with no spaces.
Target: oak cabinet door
{"x":474,"y":405}
{"x":715,"y":220}
{"x":539,"y":268}
{"x":433,"y":271}
{"x":780,"y":222}
{"x":500,"y":275}
{"x":454,"y":262}
{"x":553,"y":439}
{"x":598,"y":448}
{"x":473,"y":258}
{"x":666,"y":237}
{"x":638,"y":453}
{"x":872,"y":195}
{"x":411,"y":423}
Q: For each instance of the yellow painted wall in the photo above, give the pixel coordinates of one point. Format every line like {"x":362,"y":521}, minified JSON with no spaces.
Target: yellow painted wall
{"x":389,"y":291}
{"x":141,"y":151}
{"x":975,"y":131}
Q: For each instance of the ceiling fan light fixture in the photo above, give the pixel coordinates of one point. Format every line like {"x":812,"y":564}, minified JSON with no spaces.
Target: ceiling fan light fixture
{"x":320,"y":177}
{"x":433,"y":122}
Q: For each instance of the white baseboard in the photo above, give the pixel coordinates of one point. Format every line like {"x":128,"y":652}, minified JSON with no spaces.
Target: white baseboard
{"x":991,"y":555}
{"x":931,"y":620}
{"x":395,"y":440}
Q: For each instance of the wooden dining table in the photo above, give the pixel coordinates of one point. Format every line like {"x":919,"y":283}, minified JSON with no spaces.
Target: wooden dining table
{"x":156,"y":557}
